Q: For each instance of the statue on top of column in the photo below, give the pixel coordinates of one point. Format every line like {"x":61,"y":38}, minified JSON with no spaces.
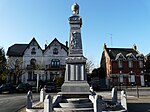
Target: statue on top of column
{"x":75,"y":8}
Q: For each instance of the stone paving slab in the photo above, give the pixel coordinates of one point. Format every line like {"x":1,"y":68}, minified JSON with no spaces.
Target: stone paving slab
{"x":73,"y":110}
{"x":37,"y":107}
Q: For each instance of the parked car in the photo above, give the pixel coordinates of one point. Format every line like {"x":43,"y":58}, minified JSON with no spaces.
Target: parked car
{"x":50,"y":87}
{"x":95,"y":85}
{"x":7,"y":87}
{"x":23,"y":87}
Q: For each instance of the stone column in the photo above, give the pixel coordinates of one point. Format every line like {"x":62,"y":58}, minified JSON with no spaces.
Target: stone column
{"x":29,"y":100}
{"x":48,"y":107}
{"x":42,"y":95}
{"x":114,"y":95}
{"x":37,"y":83}
{"x":99,"y":104}
{"x":123,"y":99}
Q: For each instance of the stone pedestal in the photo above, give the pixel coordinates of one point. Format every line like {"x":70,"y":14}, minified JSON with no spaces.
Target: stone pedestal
{"x":75,"y":87}
{"x":75,"y":77}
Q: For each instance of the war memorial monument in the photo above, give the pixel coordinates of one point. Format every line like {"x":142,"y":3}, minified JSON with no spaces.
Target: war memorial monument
{"x":76,"y":95}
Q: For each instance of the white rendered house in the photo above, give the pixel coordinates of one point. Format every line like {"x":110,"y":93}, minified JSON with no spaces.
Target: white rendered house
{"x":36,"y":63}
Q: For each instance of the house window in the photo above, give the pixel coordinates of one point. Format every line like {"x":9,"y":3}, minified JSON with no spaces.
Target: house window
{"x":29,"y":75}
{"x":34,"y":76}
{"x":55,"y":63}
{"x":55,"y":51}
{"x":33,"y":51}
{"x":120,"y":63}
{"x":32,"y":61}
{"x":17,"y":63}
{"x":141,"y":63}
{"x":130,"y":64}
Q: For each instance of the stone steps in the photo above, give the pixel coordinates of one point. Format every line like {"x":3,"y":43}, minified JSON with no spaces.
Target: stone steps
{"x":75,"y":105}
{"x":73,"y":110}
{"x":77,"y":100}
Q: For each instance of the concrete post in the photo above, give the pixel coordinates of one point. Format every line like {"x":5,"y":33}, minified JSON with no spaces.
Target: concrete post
{"x":48,"y":107}
{"x":29,"y":100}
{"x":123,"y":99}
{"x":92,"y":91}
{"x":114,"y":95}
{"x":99,"y":104}
{"x":37,"y":83}
{"x":42,"y":95}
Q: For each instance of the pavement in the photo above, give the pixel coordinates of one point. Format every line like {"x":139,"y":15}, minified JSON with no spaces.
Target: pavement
{"x":37,"y":107}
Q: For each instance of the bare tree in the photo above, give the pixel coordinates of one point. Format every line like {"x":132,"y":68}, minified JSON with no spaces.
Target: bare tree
{"x":15,"y":68}
{"x":3,"y":70}
{"x":89,"y":66}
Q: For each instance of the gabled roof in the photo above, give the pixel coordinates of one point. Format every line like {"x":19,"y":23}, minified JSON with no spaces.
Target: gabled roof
{"x":147,"y":55}
{"x":62,"y":45}
{"x":119,"y":55}
{"x":112,"y":52}
{"x":16,"y":50}
{"x":33,"y":40}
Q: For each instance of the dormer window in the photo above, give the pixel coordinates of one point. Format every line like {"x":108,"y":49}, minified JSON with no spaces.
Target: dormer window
{"x":55,"y":51}
{"x":140,"y":60}
{"x":33,"y":51}
{"x":130,"y":64}
{"x":120,"y":63}
{"x":130,"y":58}
{"x":141,"y":65}
{"x":120,"y":59}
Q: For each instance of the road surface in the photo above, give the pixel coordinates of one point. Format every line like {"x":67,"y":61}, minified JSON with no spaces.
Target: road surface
{"x":13,"y":102}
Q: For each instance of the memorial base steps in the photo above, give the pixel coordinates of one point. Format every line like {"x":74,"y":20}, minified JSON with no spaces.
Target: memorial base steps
{"x":75,"y":105}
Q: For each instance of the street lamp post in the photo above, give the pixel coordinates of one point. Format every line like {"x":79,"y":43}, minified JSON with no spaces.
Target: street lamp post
{"x":145,"y":83}
{"x":137,"y":89}
{"x":120,"y":84}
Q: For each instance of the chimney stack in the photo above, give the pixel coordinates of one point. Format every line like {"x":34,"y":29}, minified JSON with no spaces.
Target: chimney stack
{"x":45,"y":46}
{"x":104,"y":46}
{"x":66,"y":43}
{"x":134,"y":47}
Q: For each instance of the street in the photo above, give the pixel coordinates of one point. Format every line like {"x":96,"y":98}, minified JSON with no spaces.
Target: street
{"x":13,"y":102}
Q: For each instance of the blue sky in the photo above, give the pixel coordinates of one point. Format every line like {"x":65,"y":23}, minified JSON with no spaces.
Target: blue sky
{"x":127,"y":20}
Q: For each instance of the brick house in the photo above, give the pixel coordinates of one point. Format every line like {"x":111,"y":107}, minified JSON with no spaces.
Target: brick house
{"x":123,"y":66}
{"x":147,"y":68}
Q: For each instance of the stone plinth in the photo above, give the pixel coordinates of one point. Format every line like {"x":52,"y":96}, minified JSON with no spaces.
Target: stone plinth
{"x":75,"y":87}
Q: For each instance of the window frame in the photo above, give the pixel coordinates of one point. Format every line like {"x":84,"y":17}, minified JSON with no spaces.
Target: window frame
{"x":130,"y":63}
{"x":33,"y":51}
{"x":55,"y":63}
{"x":141,"y":64}
{"x":120,"y":63}
{"x":55,"y":51}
